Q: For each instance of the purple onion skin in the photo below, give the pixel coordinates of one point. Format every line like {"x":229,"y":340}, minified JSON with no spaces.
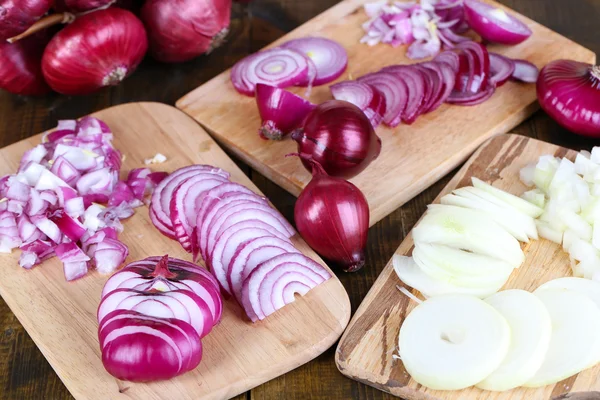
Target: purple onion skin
{"x":332,"y":215}
{"x":340,"y":137}
{"x":569,"y":91}
{"x":280,"y":111}
{"x":17,"y":16}
{"x":491,"y":30}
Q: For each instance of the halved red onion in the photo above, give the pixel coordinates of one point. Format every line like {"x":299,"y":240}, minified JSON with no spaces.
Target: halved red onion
{"x":185,"y":203}
{"x":525,"y":71}
{"x":276,"y":67}
{"x":395,"y":92}
{"x":263,"y":290}
{"x":251,"y":254}
{"x":329,"y":57}
{"x":75,"y":261}
{"x":280,"y":111}
{"x":501,"y":68}
{"x":161,"y":197}
{"x":494,"y":24}
{"x":362,"y":95}
{"x":228,"y":242}
{"x":244,"y":212}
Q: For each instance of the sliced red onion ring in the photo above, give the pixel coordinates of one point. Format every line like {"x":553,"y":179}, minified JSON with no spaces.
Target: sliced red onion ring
{"x":494,"y":24}
{"x":263,"y":290}
{"x":329,"y":57}
{"x":362,"y":95}
{"x":501,"y":68}
{"x":276,"y":67}
{"x":395,"y":92}
{"x":479,"y":64}
{"x":415,"y":82}
{"x":471,"y":99}
{"x":252,"y":253}
{"x":525,"y":71}
{"x":450,"y":58}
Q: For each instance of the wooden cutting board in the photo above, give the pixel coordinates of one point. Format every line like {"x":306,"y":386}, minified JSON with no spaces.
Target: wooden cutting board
{"x":413,"y":157}
{"x":365,"y":352}
{"x":238,"y":355}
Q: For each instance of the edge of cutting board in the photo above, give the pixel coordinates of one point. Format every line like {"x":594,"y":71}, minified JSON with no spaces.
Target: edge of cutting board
{"x":365,"y":350}
{"x":73,"y":352}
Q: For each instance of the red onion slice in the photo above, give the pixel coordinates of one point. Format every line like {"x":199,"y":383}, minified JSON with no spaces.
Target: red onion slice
{"x":494,"y":24}
{"x":185,"y":204}
{"x":450,"y":58}
{"x":228,"y":242}
{"x":276,"y":67}
{"x":471,"y":99}
{"x":525,"y":71}
{"x":438,"y":85}
{"x":395,"y":92}
{"x":259,"y":287}
{"x":501,"y":68}
{"x":329,"y":57}
{"x":479,"y":61}
{"x":252,"y":253}
{"x":362,"y":95}
{"x":415,"y":83}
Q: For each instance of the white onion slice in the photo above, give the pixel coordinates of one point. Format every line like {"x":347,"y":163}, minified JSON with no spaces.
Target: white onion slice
{"x":517,"y":202}
{"x":453,"y":342}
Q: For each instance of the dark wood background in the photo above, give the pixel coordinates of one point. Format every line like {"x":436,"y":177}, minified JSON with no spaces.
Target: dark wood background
{"x":25,"y":373}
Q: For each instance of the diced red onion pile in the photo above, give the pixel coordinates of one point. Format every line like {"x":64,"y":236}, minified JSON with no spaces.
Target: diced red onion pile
{"x":239,"y":235}
{"x":431,"y":24}
{"x":465,"y":75}
{"x":51,"y":206}
{"x":152,"y":317}
{"x":299,"y":62}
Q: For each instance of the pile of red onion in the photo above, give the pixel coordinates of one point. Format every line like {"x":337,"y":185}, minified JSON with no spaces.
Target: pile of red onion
{"x":104,"y":44}
{"x":431,"y":24}
{"x":53,"y":204}
{"x":152,"y":317}
{"x":243,"y":240}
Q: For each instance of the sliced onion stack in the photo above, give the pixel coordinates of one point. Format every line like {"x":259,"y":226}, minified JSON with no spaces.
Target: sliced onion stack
{"x":299,"y":62}
{"x":235,"y":231}
{"x":155,"y":311}
{"x":50,"y":205}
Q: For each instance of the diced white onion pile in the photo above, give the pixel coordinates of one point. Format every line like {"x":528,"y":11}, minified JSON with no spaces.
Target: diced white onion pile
{"x":469,"y":244}
{"x":569,"y":193}
{"x":512,"y":338}
{"x":52,"y":204}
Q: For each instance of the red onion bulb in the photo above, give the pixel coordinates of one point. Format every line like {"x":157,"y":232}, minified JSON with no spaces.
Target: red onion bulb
{"x":332,"y":215}
{"x":98,"y":49}
{"x":340,"y":137}
{"x":569,"y":91}
{"x":16,"y":16}
{"x":180,"y":30}
{"x":20,"y":66}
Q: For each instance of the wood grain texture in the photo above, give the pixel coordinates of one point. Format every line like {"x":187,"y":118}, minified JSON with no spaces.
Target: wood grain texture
{"x":60,"y":316}
{"x":413,"y":157}
{"x":366,"y":349}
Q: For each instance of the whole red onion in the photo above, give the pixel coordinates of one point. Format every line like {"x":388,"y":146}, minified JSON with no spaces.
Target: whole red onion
{"x":99,"y":49}
{"x":180,"y":30}
{"x":332,"y":215}
{"x":18,"y":15}
{"x":85,"y":5}
{"x":340,"y":137}
{"x":20,"y":66}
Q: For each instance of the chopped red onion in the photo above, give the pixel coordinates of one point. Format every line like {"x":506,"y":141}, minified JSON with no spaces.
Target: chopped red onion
{"x":109,"y":254}
{"x":75,"y":261}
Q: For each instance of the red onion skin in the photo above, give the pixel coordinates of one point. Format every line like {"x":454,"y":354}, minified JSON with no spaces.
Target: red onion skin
{"x":340,"y":137}
{"x":98,"y":49}
{"x":20,"y":66}
{"x":16,"y":16}
{"x":180,"y":30}
{"x":280,"y":111}
{"x":569,"y":91}
{"x":332,"y":215}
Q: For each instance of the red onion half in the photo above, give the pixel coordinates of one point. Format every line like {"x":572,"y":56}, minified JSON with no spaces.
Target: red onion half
{"x":180,"y":30}
{"x":20,"y":66}
{"x":97,"y":50}
{"x":494,"y":24}
{"x":569,"y":91}
{"x":280,"y":111}
{"x":340,"y":137}
{"x":332,"y":215}
{"x":16,"y":16}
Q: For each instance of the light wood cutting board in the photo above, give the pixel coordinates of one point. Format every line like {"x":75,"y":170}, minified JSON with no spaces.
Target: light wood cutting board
{"x":365,"y":352}
{"x":238,"y":355}
{"x":413,"y":157}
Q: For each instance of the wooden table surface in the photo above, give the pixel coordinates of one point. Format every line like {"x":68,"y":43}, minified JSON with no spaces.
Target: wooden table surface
{"x":25,"y":373}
